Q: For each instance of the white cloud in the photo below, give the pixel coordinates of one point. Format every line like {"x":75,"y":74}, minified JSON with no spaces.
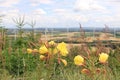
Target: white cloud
{"x":81,"y":18}
{"x":60,"y":17}
{"x":34,"y":4}
{"x":9,"y":15}
{"x":90,"y":12}
{"x":59,"y":10}
{"x":82,"y":5}
{"x":8,"y":3}
{"x":97,"y":7}
{"x":37,"y":2}
{"x":103,"y":18}
{"x":37,"y":15}
{"x":39,"y":12}
{"x":42,"y":21}
{"x":87,"y":5}
{"x":66,"y":15}
{"x":112,"y":0}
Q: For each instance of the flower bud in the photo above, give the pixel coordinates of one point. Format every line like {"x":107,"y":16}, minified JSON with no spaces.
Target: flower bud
{"x":29,"y":51}
{"x":42,"y":57}
{"x":64,"y":62}
{"x":85,"y":71}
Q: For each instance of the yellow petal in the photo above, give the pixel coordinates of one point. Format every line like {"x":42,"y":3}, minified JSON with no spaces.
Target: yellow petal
{"x":78,"y":60}
{"x":64,"y":62}
{"x":64,"y":52}
{"x":53,"y":51}
{"x":29,"y":51}
{"x":61,"y":45}
{"x":51,"y":43}
{"x":42,"y":57}
{"x":43,"y":49}
{"x":62,"y":49}
{"x":103,"y":57}
{"x":35,"y":50}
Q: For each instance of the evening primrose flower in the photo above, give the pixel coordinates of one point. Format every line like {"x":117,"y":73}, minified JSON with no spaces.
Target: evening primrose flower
{"x":35,"y":50}
{"x":103,"y":57}
{"x":43,"y":49}
{"x":52,"y":43}
{"x":78,"y":60}
{"x":62,"y":48}
{"x":64,"y":62}
{"x":42,"y":57}
{"x":53,"y":51}
{"x":29,"y":51}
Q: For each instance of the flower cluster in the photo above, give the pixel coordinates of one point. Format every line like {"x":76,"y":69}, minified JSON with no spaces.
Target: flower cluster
{"x":90,"y":63}
{"x":51,"y":50}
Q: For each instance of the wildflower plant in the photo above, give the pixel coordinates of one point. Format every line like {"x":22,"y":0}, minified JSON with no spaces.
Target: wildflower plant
{"x":52,"y":55}
{"x":92,"y":64}
{"x":51,"y":50}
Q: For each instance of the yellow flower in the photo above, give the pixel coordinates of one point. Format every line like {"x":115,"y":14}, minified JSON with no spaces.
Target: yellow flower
{"x":62,"y":48}
{"x":64,"y":62}
{"x":78,"y":60}
{"x":53,"y":51}
{"x":43,"y":49}
{"x":35,"y":50}
{"x":51,"y":43}
{"x":42,"y":57}
{"x":64,"y":52}
{"x":103,"y":57}
{"x":29,"y":51}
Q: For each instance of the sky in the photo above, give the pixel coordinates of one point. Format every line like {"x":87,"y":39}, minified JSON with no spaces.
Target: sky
{"x":61,"y":13}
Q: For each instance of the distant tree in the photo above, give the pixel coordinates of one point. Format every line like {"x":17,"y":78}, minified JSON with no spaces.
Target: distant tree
{"x":20,"y":22}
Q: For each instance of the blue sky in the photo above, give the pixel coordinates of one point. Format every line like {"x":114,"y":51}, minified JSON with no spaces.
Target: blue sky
{"x":62,"y":13}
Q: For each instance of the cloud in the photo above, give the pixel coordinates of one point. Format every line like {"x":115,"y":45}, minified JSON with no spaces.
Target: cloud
{"x":9,"y":15}
{"x":34,"y":4}
{"x":66,"y":17}
{"x":8,"y":3}
{"x":39,"y":12}
{"x":88,"y":5}
{"x":47,"y":13}
{"x":42,"y":21}
{"x":60,"y":11}
{"x":112,"y":0}
{"x":37,"y":2}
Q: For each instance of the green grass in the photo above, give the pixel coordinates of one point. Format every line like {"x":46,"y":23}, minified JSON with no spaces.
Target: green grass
{"x":17,"y":64}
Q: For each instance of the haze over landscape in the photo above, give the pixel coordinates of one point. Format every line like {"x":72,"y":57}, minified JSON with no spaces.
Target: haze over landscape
{"x":62,"y":13}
